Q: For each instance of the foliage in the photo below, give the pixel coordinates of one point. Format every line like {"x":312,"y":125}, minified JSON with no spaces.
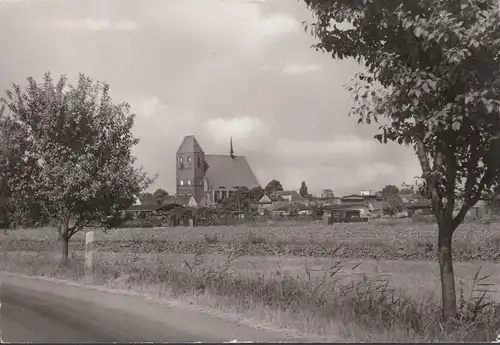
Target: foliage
{"x":147,"y":198}
{"x":407,"y":189}
{"x":393,"y":204}
{"x":256,"y":193}
{"x":69,"y":154}
{"x":273,"y":186}
{"x":318,"y":210}
{"x":433,"y":77}
{"x":160,"y":195}
{"x":243,"y":198}
{"x":303,"y":189}
{"x":389,"y":190}
{"x":327,"y":194}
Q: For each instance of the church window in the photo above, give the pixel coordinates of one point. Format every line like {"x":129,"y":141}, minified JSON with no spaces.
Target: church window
{"x":182,"y":159}
{"x":189,"y":159}
{"x":189,"y":182}
{"x":182,"y":183}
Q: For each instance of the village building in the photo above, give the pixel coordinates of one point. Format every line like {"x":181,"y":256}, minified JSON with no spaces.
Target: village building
{"x":281,"y":200}
{"x":210,"y":178}
{"x":186,"y":200}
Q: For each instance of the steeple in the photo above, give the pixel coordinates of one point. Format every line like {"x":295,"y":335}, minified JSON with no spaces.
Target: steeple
{"x":231,"y":150}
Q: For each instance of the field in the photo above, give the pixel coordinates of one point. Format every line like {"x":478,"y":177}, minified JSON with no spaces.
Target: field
{"x":278,"y":273}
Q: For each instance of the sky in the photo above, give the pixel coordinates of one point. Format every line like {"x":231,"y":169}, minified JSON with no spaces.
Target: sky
{"x":213,"y":69}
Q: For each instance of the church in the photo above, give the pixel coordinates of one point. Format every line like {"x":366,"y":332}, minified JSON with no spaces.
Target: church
{"x":210,"y":178}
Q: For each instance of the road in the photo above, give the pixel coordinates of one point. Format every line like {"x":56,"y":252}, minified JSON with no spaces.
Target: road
{"x":45,"y":311}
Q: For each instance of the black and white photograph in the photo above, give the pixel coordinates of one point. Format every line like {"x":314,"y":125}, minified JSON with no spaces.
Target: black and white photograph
{"x":249,"y":171}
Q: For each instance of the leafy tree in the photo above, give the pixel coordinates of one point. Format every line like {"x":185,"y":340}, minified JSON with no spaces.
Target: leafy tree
{"x":238,"y":201}
{"x":407,"y":189}
{"x":160,"y":195}
{"x":69,"y":152}
{"x":393,"y":204}
{"x":243,"y":198}
{"x":433,"y":76}
{"x":273,"y":186}
{"x":257,"y":193}
{"x":389,"y":190}
{"x":147,"y":198}
{"x":327,"y":194}
{"x":303,"y":189}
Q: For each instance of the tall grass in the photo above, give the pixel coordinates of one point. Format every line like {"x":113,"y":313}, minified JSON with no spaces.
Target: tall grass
{"x":322,"y":304}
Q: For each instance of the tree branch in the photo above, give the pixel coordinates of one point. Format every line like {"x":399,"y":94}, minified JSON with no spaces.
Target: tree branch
{"x":491,"y":168}
{"x":430,"y":176}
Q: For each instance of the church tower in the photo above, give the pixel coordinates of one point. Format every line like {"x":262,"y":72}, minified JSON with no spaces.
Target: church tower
{"x":190,"y":168}
{"x":231,"y":149}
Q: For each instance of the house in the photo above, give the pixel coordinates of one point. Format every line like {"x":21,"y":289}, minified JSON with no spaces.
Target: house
{"x":376,"y":207}
{"x":353,"y":199}
{"x":409,"y":198}
{"x":423,"y":205}
{"x":210,"y":178}
{"x":330,"y":201}
{"x":291,"y":196}
{"x":349,"y":212}
{"x":137,"y":200}
{"x":270,"y":203}
{"x":185,"y":200}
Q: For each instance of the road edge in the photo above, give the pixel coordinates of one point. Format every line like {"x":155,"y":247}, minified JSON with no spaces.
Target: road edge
{"x":291,"y":334}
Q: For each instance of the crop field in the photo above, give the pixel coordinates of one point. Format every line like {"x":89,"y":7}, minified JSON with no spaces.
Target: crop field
{"x":403,"y":254}
{"x":290,"y":274}
{"x":478,"y":242}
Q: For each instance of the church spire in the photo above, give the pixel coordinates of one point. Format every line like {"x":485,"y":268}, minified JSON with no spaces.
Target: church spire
{"x":231,"y":150}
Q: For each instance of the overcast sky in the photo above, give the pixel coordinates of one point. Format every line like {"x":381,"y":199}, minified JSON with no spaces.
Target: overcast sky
{"x":215,"y":69}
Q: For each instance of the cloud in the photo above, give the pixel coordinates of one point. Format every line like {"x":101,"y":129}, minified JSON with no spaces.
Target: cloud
{"x":295,"y":68}
{"x":340,"y":146}
{"x":94,"y":25}
{"x":150,"y":107}
{"x":196,"y":67}
{"x":240,"y":128}
{"x":228,"y":23}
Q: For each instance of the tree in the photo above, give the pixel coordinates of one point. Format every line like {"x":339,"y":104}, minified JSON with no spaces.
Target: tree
{"x":273,"y":186}
{"x":303,"y":190}
{"x":238,"y":201}
{"x":147,"y":198}
{"x":433,"y":75}
{"x":393,"y":204}
{"x":327,"y":194}
{"x":407,"y":189}
{"x":160,"y":195}
{"x":243,"y":198}
{"x":69,"y":153}
{"x":257,"y":193}
{"x":389,"y":190}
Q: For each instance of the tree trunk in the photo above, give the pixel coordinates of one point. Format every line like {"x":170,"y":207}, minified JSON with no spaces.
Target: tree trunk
{"x":449,"y":299}
{"x":65,"y":250}
{"x":64,"y":232}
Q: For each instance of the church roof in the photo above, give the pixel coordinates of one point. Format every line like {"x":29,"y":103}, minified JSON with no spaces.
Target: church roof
{"x":226,"y":171}
{"x":189,"y":145}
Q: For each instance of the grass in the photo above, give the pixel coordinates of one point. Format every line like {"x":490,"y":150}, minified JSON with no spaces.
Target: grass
{"x":321,"y":302}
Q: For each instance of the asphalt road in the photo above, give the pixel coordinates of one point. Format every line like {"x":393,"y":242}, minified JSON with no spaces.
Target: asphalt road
{"x":44,"y":311}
